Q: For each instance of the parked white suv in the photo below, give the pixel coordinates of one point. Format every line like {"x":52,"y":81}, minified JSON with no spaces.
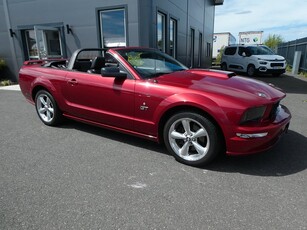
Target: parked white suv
{"x":252,"y":59}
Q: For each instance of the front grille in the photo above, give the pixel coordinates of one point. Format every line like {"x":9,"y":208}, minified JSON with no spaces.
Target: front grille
{"x":274,"y":110}
{"x":277,"y":64}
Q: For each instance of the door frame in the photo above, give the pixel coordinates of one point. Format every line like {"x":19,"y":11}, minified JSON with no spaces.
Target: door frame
{"x":23,"y":41}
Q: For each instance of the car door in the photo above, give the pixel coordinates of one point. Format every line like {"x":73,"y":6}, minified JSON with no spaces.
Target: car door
{"x":238,"y":60}
{"x":105,"y":100}
{"x":242,"y":59}
{"x":229,"y":57}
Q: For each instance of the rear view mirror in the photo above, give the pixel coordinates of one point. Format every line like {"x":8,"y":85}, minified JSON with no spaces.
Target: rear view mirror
{"x":113,"y":72}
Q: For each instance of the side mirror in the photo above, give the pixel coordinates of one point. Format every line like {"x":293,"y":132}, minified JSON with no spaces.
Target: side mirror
{"x":113,"y":72}
{"x":244,"y":54}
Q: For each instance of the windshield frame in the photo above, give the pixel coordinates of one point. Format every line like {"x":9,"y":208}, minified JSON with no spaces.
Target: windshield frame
{"x":150,"y":63}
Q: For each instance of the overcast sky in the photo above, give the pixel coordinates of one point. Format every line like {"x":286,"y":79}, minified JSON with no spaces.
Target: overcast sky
{"x":287,"y":18}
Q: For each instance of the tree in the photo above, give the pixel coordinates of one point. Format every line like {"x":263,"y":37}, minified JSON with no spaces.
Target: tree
{"x":273,"y":41}
{"x":219,"y":56}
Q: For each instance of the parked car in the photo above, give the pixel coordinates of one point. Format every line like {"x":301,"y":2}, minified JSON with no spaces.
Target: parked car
{"x":197,"y":113}
{"x":252,"y":59}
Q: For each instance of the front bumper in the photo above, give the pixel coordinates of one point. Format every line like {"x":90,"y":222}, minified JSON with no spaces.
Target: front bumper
{"x":240,"y":145}
{"x":263,"y":69}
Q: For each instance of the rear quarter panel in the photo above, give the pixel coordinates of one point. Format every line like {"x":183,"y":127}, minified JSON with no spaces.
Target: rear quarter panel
{"x":36,"y":77}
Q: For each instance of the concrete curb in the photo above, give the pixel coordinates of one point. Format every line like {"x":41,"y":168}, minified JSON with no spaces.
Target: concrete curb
{"x":10,"y":87}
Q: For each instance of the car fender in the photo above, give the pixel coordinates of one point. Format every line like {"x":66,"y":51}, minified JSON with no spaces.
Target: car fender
{"x":252,"y":61}
{"x":197,"y":101}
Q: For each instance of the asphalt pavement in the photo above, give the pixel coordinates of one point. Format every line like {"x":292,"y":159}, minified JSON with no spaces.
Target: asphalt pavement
{"x":81,"y":177}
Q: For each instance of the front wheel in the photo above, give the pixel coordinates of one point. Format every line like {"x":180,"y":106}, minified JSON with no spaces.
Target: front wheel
{"x":192,"y":138}
{"x":47,"y":108}
{"x":251,"y":70}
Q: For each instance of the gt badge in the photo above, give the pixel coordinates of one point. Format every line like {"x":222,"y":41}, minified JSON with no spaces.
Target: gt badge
{"x":143,"y":107}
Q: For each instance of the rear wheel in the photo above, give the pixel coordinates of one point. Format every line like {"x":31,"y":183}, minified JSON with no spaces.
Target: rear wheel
{"x":251,"y":70}
{"x":47,"y":109}
{"x":192,"y":138}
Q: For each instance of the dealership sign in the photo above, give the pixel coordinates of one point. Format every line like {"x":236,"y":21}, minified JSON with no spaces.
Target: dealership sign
{"x":250,"y":38}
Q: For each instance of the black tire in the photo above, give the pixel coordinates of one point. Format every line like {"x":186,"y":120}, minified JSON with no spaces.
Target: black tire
{"x":224,"y":66}
{"x":47,"y":108}
{"x":251,"y":70}
{"x":192,"y":138}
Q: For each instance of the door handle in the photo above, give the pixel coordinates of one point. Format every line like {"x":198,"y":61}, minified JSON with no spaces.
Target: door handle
{"x":72,"y":82}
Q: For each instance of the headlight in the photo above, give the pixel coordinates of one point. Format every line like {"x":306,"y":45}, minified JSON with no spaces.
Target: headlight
{"x":253,"y":114}
{"x":263,"y":63}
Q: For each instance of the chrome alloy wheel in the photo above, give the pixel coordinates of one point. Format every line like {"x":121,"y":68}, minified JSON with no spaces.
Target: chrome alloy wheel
{"x":189,"y":139}
{"x":45,"y":108}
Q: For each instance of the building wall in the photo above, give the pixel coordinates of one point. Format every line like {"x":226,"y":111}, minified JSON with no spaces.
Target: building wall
{"x":208,"y":30}
{"x":82,"y":17}
{"x":7,"y":45}
{"x":195,"y":14}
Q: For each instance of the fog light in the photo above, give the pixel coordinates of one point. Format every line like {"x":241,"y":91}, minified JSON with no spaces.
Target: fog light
{"x":251,"y":135}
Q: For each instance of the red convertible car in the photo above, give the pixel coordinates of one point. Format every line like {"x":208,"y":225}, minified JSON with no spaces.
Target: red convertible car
{"x":196,"y":113}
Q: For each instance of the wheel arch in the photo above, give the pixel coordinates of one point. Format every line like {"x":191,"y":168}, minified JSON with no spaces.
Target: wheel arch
{"x":51,"y":90}
{"x":224,"y":63}
{"x":36,"y":89}
{"x":248,"y":66}
{"x":251,"y":64}
{"x":186,"y":108}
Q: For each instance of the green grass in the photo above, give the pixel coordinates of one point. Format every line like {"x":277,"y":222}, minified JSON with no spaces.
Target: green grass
{"x":303,"y":74}
{"x":289,"y":68}
{"x":5,"y":82}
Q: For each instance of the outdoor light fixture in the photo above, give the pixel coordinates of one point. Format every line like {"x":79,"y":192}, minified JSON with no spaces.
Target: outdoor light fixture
{"x":68,"y":29}
{"x":12,"y":33}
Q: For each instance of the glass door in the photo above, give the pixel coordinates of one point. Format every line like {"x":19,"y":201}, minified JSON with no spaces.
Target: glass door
{"x":48,"y":42}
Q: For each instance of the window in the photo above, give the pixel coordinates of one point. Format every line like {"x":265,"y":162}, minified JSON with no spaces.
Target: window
{"x":31,"y":44}
{"x":42,"y":42}
{"x":192,"y":47}
{"x":230,"y":50}
{"x":242,"y":50}
{"x":200,"y":48}
{"x":259,"y":50}
{"x":161,"y":31}
{"x":172,"y":37}
{"x":208,"y":54}
{"x":113,"y":28}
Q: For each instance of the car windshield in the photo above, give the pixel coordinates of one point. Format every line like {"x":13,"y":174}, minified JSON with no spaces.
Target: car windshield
{"x":151,"y":63}
{"x":260,"y":50}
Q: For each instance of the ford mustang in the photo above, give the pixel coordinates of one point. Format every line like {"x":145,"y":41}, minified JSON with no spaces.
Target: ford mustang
{"x":196,"y":113}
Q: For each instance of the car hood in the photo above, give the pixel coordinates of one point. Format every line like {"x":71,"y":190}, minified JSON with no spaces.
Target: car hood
{"x":270,"y":57}
{"x":222,"y":83}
